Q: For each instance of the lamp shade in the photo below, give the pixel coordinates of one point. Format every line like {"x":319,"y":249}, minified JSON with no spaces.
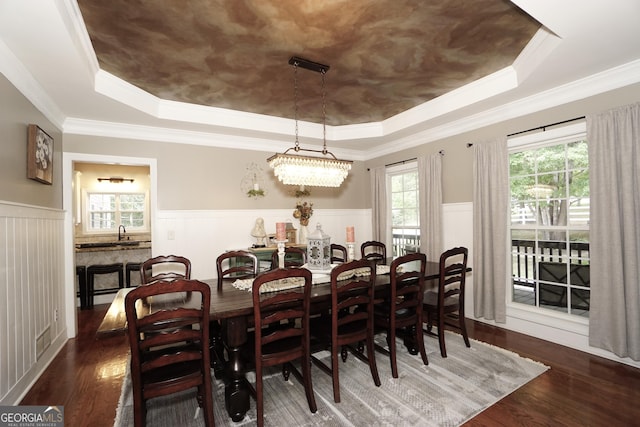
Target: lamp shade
{"x":310,"y":171}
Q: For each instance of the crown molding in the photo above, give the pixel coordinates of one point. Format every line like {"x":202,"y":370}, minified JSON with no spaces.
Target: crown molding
{"x":596,"y":84}
{"x":22,"y":79}
{"x":75,"y":126}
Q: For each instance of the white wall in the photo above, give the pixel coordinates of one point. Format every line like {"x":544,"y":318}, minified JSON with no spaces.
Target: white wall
{"x":32,"y":289}
{"x":203,"y":235}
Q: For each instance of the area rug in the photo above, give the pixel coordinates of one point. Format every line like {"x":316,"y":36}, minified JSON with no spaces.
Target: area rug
{"x":447,"y":392}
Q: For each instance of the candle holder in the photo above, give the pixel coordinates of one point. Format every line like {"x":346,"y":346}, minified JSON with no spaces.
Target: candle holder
{"x":280,"y":244}
{"x":351,"y":253}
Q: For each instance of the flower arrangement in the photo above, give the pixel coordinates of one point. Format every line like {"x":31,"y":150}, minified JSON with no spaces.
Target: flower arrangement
{"x":303,"y":212}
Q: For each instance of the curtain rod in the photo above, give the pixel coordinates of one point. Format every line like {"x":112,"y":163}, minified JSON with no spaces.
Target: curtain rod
{"x":544,"y":128}
{"x":402,"y":162}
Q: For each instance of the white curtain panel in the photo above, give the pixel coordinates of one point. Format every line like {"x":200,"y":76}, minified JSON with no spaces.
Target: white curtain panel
{"x":430,"y":184}
{"x":379,"y":204}
{"x":490,"y":216}
{"x":614,"y":164}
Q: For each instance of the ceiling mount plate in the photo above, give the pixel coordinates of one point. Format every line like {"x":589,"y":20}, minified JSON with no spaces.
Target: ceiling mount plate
{"x":309,"y":65}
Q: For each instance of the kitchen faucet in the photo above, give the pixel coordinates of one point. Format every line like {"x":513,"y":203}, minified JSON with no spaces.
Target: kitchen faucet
{"x":124,"y":231}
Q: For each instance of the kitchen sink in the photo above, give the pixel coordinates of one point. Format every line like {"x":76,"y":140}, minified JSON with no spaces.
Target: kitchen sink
{"x":108,"y":244}
{"x":128,"y":243}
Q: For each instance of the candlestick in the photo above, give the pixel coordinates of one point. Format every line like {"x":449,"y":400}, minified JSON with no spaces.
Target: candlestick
{"x":351,"y":253}
{"x":280,"y":244}
{"x":281,"y":231}
{"x":351,"y":234}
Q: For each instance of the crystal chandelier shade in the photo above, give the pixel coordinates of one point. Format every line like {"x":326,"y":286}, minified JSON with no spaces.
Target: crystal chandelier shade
{"x":294,"y":169}
{"x":309,"y":171}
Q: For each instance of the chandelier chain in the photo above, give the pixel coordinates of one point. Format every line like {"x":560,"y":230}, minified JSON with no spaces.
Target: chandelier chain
{"x":295,"y":103}
{"x":302,"y":170}
{"x":324,"y":114}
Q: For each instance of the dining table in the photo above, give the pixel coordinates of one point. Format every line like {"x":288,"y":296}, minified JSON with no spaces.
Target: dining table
{"x":231,"y":311}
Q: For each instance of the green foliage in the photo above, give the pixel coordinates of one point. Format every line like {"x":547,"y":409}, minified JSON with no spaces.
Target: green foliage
{"x":546,"y":180}
{"x":255,"y":193}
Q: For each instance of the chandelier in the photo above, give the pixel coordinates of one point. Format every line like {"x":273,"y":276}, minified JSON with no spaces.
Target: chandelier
{"x":313,"y":171}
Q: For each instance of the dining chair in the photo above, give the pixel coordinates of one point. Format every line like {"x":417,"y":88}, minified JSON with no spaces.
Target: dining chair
{"x":351,"y":320}
{"x":402,"y":308}
{"x":373,"y":250}
{"x":236,"y":265}
{"x":169,"y":346}
{"x":165,"y":267}
{"x":293,"y":257}
{"x":281,"y":333}
{"x":446,"y":305}
{"x":338,"y":253}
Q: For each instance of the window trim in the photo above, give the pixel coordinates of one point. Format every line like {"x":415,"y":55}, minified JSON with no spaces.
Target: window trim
{"x":399,"y":169}
{"x":85,"y":214}
{"x":564,"y":321}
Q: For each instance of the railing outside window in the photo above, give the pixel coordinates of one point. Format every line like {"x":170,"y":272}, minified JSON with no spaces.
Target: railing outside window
{"x":405,"y":241}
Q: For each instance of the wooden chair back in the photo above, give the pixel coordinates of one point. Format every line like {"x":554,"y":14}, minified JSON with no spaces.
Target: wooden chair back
{"x":338,"y":253}
{"x":236,"y":265}
{"x":446,"y":306}
{"x":352,"y":300}
{"x":281,"y":322}
{"x":373,"y":250}
{"x":170,"y":345}
{"x":165,"y":267}
{"x":293,"y":257}
{"x":402,"y":309}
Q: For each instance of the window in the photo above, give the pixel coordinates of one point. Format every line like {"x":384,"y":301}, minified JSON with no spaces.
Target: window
{"x":405,"y":211}
{"x":549,"y":184}
{"x":106,"y":212}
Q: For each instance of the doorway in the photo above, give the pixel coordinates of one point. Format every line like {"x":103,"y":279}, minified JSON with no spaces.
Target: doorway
{"x":68,"y":196}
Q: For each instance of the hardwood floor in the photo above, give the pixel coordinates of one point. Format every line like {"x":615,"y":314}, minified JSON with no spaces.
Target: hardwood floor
{"x":578,"y":390}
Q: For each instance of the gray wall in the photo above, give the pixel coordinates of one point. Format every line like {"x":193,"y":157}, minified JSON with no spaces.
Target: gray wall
{"x":193,"y":177}
{"x":16,"y":113}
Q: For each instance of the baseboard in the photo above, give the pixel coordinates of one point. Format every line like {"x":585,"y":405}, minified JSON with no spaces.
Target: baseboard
{"x":22,"y":387}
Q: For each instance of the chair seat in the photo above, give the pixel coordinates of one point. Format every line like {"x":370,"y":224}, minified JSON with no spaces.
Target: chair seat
{"x":289,"y":346}
{"x":321,"y":328}
{"x":163,"y":378}
{"x":383,"y":311}
{"x":431,"y":298}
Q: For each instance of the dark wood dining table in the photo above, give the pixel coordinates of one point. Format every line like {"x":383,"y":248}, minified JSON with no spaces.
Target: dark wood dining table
{"x":232,"y":308}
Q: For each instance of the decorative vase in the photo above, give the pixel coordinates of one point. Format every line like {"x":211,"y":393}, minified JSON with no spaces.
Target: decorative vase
{"x":303,"y":234}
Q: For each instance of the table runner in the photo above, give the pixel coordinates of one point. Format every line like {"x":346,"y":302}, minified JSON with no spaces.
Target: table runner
{"x":296,"y":282}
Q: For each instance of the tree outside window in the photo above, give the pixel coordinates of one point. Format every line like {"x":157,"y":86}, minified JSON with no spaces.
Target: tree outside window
{"x":550,"y":226}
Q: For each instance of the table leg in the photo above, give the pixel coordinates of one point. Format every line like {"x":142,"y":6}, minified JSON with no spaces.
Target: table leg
{"x":216,"y":349}
{"x":409,"y":338}
{"x":236,"y":393}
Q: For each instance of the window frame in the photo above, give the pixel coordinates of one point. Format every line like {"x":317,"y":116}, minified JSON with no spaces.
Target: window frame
{"x":86,"y":224}
{"x":395,"y":170}
{"x":562,"y":135}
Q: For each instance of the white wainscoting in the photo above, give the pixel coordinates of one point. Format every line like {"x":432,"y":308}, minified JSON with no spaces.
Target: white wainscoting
{"x":203,"y":235}
{"x":457,"y":225}
{"x":32,"y":329}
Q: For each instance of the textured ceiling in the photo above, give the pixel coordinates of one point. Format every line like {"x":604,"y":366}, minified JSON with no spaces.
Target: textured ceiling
{"x":386,"y":56}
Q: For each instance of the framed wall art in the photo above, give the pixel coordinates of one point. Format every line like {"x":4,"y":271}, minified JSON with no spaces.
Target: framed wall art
{"x":39,"y":155}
